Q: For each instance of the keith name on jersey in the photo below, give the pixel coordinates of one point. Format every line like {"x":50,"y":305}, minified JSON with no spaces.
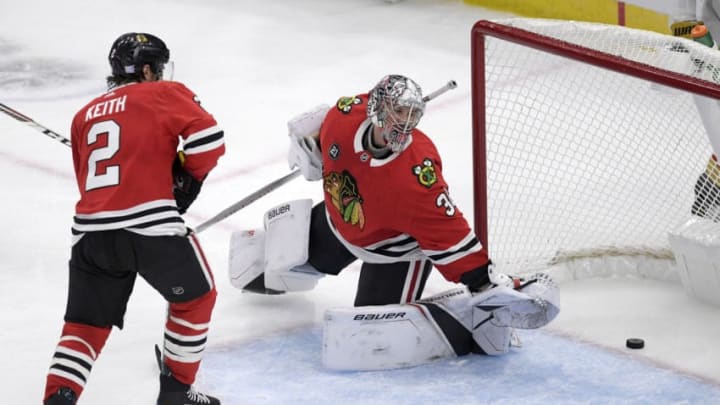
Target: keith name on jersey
{"x":111,"y":106}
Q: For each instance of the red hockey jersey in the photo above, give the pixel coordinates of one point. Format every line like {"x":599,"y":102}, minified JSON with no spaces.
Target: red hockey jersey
{"x":124,"y":144}
{"x":395,"y":208}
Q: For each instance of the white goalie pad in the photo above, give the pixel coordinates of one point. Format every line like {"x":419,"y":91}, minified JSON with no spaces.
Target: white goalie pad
{"x":533,"y":305}
{"x":492,"y":338}
{"x":395,"y":336}
{"x":380,"y":338}
{"x":247,"y":257}
{"x":287,"y":238}
{"x":308,"y":123}
{"x":696,"y":246}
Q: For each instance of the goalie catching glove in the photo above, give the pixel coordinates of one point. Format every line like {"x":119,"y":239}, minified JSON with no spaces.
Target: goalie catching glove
{"x":523,"y":303}
{"x":185,"y":187}
{"x":304,"y":152}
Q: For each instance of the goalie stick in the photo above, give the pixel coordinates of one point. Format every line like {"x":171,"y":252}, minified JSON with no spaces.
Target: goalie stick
{"x":259,"y":193}
{"x":448,"y":86}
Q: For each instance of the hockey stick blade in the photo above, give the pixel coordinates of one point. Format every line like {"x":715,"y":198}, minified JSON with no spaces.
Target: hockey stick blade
{"x":29,"y":121}
{"x":261,"y":192}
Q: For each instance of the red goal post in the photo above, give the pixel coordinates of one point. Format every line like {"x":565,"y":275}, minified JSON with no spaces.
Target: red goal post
{"x":586,"y":138}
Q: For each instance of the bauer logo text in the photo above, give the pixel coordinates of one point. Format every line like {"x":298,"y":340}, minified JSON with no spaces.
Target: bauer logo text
{"x":378,"y":317}
{"x":278,"y":211}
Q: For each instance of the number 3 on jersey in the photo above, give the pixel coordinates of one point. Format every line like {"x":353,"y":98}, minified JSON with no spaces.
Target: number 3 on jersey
{"x":443,"y":200}
{"x":111,"y":177}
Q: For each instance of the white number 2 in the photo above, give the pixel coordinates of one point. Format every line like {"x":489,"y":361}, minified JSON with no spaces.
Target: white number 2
{"x":111,"y":177}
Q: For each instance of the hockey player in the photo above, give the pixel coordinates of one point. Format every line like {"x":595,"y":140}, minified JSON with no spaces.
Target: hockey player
{"x":386,"y":203}
{"x":133,"y":187}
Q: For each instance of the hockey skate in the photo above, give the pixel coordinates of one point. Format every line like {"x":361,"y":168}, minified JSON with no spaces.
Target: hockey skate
{"x":173,"y":392}
{"x":64,"y":396}
{"x":523,"y":303}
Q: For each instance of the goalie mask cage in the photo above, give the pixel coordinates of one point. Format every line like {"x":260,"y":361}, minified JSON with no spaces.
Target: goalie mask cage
{"x":587,"y":141}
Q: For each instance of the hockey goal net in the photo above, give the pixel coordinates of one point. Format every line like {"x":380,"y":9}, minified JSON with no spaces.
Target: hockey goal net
{"x":587,"y":140}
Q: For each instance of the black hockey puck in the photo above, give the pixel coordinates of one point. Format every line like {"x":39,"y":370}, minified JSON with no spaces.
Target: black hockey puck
{"x":635,"y":343}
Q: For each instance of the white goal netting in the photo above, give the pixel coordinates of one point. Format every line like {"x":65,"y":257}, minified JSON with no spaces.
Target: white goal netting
{"x":585,"y":161}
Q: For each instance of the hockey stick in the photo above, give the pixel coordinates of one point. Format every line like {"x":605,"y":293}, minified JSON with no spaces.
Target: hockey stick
{"x":286,"y":178}
{"x":261,"y":192}
{"x":29,"y":121}
{"x":448,"y":86}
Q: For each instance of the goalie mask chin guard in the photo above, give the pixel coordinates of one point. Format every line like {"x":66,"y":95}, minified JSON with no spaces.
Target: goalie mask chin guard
{"x":396,"y":105}
{"x":131,"y":51}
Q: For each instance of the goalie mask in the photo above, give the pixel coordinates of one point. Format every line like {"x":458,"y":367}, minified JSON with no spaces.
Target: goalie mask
{"x":131,"y":51}
{"x":396,"y":105}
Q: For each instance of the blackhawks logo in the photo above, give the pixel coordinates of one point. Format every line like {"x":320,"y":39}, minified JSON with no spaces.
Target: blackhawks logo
{"x":344,"y":195}
{"x":345,"y":104}
{"x":425,"y":173}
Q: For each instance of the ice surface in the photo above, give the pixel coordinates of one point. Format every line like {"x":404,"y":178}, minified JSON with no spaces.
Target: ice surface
{"x":255,"y":64}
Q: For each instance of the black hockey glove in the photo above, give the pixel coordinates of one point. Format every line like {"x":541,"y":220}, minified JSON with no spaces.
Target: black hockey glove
{"x":185,"y":187}
{"x":478,"y":279}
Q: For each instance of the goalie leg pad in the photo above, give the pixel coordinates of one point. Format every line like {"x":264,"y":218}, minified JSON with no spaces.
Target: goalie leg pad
{"x":404,"y":335}
{"x":492,"y":339}
{"x":247,"y":257}
{"x":287,"y":236}
{"x":380,"y":338}
{"x":274,"y":260}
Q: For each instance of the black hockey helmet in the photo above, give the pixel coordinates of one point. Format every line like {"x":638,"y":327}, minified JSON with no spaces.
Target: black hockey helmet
{"x":131,"y":51}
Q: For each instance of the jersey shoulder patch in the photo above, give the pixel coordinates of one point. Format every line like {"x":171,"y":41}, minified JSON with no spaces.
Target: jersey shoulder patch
{"x":425,"y":173}
{"x":345,"y":104}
